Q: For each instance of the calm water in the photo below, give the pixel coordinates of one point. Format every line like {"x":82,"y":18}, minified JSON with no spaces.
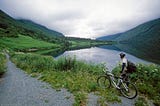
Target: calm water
{"x":101,"y":55}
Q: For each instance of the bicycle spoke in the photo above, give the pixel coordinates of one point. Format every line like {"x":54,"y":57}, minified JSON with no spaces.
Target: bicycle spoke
{"x":103,"y":82}
{"x":129,"y":91}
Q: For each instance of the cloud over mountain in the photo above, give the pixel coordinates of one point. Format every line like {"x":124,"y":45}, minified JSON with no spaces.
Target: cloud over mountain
{"x":84,"y":18}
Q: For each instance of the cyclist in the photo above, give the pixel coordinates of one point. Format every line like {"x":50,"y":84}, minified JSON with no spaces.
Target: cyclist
{"x":124,"y":64}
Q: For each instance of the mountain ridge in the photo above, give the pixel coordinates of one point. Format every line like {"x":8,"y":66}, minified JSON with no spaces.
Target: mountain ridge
{"x":10,"y":25}
{"x":39,"y":26}
{"x":121,"y":35}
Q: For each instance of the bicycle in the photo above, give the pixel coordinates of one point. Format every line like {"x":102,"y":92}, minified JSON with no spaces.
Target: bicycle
{"x":126,"y":88}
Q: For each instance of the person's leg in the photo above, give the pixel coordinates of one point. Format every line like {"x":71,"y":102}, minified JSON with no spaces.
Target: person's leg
{"x":127,"y":79}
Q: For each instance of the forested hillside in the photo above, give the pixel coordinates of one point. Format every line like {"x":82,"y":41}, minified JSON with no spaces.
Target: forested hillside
{"x":143,"y":39}
{"x":147,"y":31}
{"x":12,"y":27}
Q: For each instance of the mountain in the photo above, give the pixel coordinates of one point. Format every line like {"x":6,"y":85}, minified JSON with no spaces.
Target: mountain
{"x":143,"y":40}
{"x":109,"y":37}
{"x":140,"y":31}
{"x":146,"y":32}
{"x":10,"y":27}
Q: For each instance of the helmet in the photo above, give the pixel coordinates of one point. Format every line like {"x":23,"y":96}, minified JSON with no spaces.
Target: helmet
{"x":122,"y":55}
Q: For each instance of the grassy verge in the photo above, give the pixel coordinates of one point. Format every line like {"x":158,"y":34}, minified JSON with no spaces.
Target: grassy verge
{"x":141,"y":101}
{"x":2,"y":63}
{"x":76,"y":76}
{"x":147,"y":79}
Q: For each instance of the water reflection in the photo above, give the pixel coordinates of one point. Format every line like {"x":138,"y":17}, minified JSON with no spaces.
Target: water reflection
{"x":101,"y":55}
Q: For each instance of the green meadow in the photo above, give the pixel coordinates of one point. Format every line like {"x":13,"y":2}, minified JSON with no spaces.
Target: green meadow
{"x":26,"y":43}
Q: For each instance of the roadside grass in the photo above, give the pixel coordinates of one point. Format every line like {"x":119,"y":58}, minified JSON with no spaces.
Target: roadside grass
{"x":26,"y":43}
{"x":141,"y":101}
{"x":147,"y":80}
{"x":2,"y":63}
{"x":78,"y":77}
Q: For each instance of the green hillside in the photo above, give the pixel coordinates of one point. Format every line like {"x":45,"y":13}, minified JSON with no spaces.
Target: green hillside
{"x":39,"y":28}
{"x":145,"y":39}
{"x":148,"y":30}
{"x":35,"y":37}
{"x":24,"y":26}
{"x":11,"y":28}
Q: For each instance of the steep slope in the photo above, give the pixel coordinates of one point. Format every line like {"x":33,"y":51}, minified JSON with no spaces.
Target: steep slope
{"x":7,"y":25}
{"x":109,"y":37}
{"x":10,"y":27}
{"x":38,"y":28}
{"x":148,"y":30}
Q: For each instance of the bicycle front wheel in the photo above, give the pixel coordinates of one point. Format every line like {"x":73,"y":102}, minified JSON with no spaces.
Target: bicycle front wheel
{"x":128,"y":90}
{"x":104,"y":81}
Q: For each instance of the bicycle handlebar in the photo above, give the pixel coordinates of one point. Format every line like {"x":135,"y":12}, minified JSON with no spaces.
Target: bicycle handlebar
{"x":107,"y":72}
{"x":110,"y":74}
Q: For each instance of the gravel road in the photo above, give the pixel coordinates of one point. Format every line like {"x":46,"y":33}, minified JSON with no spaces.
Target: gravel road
{"x":19,"y":89}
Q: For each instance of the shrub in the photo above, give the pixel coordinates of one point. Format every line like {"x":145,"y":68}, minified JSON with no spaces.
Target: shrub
{"x":65,"y":63}
{"x":33,"y":62}
{"x":2,"y":63}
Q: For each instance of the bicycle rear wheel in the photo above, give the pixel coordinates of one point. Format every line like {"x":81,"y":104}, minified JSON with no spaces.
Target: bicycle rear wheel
{"x":129,"y":91}
{"x":104,"y":81}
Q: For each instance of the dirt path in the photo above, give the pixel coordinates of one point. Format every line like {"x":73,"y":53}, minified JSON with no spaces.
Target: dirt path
{"x":19,"y":89}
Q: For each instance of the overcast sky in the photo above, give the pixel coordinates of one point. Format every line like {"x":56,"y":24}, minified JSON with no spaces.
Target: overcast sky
{"x":84,"y":18}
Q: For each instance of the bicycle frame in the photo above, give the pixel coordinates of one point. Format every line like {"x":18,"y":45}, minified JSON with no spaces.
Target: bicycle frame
{"x":114,"y":84}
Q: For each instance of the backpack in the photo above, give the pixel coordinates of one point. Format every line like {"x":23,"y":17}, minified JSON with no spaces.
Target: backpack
{"x":131,"y":67}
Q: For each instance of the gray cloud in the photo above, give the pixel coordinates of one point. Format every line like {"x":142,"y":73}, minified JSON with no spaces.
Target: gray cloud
{"x":84,"y":18}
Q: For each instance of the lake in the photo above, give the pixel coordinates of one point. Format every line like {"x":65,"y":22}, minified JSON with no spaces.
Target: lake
{"x":104,"y":54}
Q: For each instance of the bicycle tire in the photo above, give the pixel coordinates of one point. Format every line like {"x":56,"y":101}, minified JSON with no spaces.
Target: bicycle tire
{"x":104,"y":81}
{"x":132,"y":90}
